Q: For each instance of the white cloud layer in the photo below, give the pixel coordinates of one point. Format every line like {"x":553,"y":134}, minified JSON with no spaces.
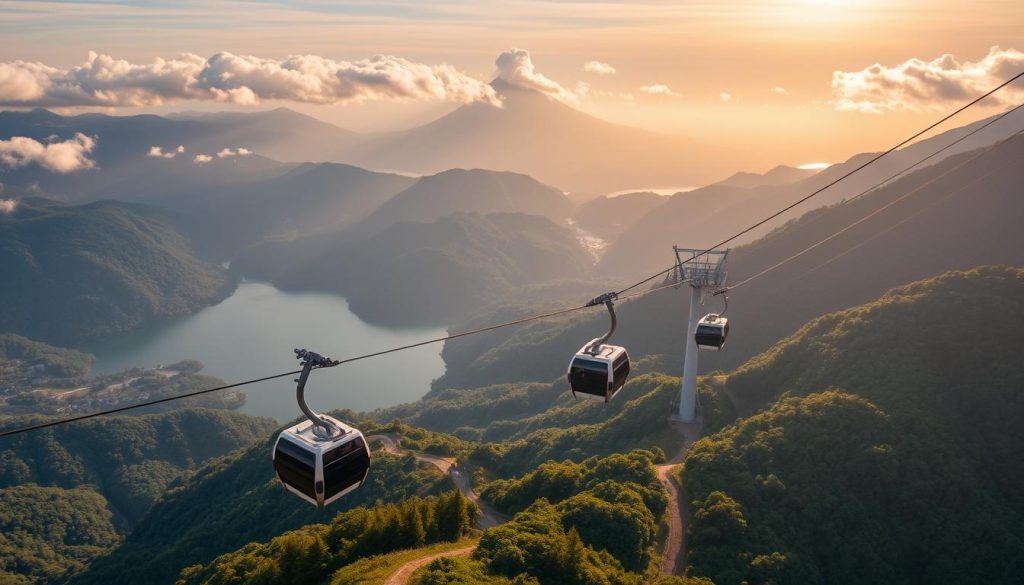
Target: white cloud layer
{"x":598,"y":68}
{"x":658,"y":89}
{"x":105,"y":81}
{"x":7,"y":206}
{"x":779,"y":90}
{"x":228,"y":152}
{"x":926,"y":85}
{"x":725,"y":96}
{"x":202,"y":159}
{"x":60,"y":157}
{"x":157,"y":152}
{"x":516,"y":68}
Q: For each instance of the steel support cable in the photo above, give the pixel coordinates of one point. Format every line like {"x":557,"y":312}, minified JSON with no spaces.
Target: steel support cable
{"x":836,"y":234}
{"x":833,"y":182}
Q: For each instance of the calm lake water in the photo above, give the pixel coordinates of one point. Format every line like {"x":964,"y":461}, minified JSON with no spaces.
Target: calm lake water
{"x":252,"y":334}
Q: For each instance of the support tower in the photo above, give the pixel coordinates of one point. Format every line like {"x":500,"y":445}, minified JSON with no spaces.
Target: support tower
{"x":699,"y":270}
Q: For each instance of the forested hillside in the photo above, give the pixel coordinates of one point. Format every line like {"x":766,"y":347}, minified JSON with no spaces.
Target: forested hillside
{"x":414,"y":273}
{"x":72,"y":273}
{"x":236,"y":500}
{"x":312,"y":553}
{"x":50,"y":533}
{"x":893,"y":454}
{"x":130,"y":460}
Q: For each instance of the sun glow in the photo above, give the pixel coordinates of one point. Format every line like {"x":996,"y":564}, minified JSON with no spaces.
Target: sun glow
{"x":814,"y":166}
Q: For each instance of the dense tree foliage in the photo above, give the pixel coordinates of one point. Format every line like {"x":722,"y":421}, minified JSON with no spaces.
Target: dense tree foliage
{"x":71,"y":273}
{"x":54,"y":361}
{"x":626,"y":424}
{"x":236,"y":500}
{"x":312,"y":553}
{"x":50,"y":533}
{"x":910,"y":472}
{"x":131,"y":460}
{"x":617,"y":490}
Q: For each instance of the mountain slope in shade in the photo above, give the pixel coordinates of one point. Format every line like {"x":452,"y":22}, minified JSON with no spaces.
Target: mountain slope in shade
{"x":470,"y":191}
{"x":72,"y":273}
{"x":932,"y":231}
{"x":706,"y":216}
{"x":553,"y":142}
{"x":413,"y":273}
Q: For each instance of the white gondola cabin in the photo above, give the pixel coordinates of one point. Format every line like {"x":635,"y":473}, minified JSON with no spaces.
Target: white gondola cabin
{"x":599,"y":370}
{"x":320,"y":459}
{"x":321,"y":470}
{"x":598,"y":373}
{"x":712,"y":331}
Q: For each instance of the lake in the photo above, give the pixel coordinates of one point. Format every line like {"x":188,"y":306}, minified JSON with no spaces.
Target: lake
{"x":252,"y":333}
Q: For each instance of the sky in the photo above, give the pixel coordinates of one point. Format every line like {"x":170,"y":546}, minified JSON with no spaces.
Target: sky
{"x":796,"y":81}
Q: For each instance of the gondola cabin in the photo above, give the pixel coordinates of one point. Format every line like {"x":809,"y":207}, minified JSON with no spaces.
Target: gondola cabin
{"x":321,"y":470}
{"x":600,"y":373}
{"x":712,"y":331}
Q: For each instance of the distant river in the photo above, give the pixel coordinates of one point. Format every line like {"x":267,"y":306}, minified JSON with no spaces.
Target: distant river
{"x":252,"y":334}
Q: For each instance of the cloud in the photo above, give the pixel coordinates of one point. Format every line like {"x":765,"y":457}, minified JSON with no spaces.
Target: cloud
{"x":658,"y":89}
{"x":919,"y":85}
{"x":157,"y":152}
{"x":59,"y":157}
{"x":202,"y":159}
{"x":105,"y":81}
{"x":7,"y":206}
{"x":516,"y":68}
{"x":228,"y":152}
{"x":725,"y":97}
{"x":598,"y":68}
{"x":779,"y":90}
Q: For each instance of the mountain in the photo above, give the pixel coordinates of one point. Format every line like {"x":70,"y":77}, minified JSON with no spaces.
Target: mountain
{"x":468,"y":191}
{"x":298,"y":201}
{"x":547,"y":139}
{"x":890,"y":446}
{"x":607,"y":217}
{"x":932,"y":231}
{"x":281,"y":134}
{"x":122,"y":144}
{"x":706,"y":216}
{"x":424,"y":272}
{"x":780,"y":175}
{"x":71,"y":273}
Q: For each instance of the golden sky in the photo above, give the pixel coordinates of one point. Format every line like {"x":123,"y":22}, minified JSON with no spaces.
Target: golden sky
{"x":760,"y":74}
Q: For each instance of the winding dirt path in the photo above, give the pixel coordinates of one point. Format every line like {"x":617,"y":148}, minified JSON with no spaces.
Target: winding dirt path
{"x":489,"y":517}
{"x":402,"y":575}
{"x":674,"y":558}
